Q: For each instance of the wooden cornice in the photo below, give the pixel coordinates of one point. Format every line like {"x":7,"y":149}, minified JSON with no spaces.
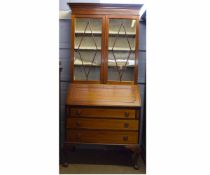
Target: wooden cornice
{"x":104,"y":9}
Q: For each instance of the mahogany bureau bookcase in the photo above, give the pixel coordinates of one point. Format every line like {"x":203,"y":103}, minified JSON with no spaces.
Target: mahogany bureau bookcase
{"x":103,"y":101}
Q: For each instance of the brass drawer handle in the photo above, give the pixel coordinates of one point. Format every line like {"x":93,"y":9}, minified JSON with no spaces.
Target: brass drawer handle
{"x":125,"y":138}
{"x":126,"y":125}
{"x":78,"y":112}
{"x":78,"y":136}
{"x":126,"y":114}
{"x":77,"y":123}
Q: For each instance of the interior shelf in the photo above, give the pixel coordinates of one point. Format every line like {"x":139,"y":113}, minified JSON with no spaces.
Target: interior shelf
{"x":121,"y":49}
{"x":88,"y":65}
{"x":78,"y":62}
{"x":110,"y":49}
{"x":111,"y":63}
{"x":99,"y":33}
{"x":87,"y":48}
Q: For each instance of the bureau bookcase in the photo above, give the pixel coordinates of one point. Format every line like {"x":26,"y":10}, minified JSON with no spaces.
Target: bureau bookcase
{"x":103,"y":101}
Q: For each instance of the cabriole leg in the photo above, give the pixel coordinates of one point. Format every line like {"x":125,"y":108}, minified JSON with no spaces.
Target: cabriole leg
{"x":135,"y":155}
{"x":65,"y":155}
{"x":67,"y":148}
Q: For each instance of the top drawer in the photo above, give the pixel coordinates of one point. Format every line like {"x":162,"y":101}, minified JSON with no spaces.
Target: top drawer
{"x":103,"y":113}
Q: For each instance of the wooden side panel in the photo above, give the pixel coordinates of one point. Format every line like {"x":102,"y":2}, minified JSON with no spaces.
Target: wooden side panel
{"x":103,"y":113}
{"x":72,"y":48}
{"x":136,"y":52}
{"x":103,"y":124}
{"x":103,"y":137}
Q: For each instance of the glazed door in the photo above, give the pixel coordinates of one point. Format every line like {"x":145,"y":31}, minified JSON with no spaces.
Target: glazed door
{"x":122,"y":46}
{"x":87,"y":51}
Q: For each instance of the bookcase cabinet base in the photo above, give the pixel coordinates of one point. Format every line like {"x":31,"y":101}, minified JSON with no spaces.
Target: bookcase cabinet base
{"x":70,"y":147}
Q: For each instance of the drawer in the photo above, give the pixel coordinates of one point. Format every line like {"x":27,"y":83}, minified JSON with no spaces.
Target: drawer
{"x":103,"y":113}
{"x":103,"y":137}
{"x":111,"y":124}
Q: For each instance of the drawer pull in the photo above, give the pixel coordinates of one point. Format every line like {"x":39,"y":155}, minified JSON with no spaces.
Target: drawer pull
{"x":78,"y":136}
{"x":78,"y":112}
{"x":125,"y":138}
{"x":126,"y":114}
{"x":126,"y":125}
{"x":78,"y":123}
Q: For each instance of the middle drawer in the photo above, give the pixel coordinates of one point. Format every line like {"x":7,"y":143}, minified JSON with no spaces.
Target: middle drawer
{"x":103,"y":113}
{"x":111,"y":124}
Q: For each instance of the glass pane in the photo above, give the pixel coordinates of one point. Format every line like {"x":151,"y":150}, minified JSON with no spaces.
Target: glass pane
{"x":87,"y":49}
{"x":121,"y":57}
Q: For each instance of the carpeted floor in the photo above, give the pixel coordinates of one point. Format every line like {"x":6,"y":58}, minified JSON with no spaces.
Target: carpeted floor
{"x":89,"y":161}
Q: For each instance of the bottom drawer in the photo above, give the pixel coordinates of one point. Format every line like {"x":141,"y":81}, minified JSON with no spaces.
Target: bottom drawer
{"x":100,"y":136}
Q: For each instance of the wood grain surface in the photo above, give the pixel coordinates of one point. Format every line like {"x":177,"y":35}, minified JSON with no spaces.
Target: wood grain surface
{"x":100,"y":136}
{"x":103,"y":113}
{"x":103,"y":95}
{"x":102,"y":124}
{"x":104,"y":8}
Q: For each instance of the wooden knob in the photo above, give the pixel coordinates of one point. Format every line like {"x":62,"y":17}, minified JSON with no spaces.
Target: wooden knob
{"x":126,"y":125}
{"x":126,"y":114}
{"x":77,"y":123}
{"x":125,"y":138}
{"x":78,"y":136}
{"x":78,"y":112}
